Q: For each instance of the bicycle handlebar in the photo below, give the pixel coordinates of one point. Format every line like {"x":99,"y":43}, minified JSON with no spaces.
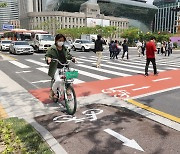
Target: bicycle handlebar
{"x":61,"y":63}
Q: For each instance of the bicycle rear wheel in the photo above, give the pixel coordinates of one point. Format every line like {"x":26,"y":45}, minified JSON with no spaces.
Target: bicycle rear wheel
{"x":70,"y":100}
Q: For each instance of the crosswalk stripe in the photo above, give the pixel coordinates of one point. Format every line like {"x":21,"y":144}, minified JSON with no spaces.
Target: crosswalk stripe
{"x":36,"y":62}
{"x":132,"y":66}
{"x":104,"y":70}
{"x":123,"y":69}
{"x":45,"y":70}
{"x":96,"y":59}
{"x":19,"y":64}
{"x":99,"y":77}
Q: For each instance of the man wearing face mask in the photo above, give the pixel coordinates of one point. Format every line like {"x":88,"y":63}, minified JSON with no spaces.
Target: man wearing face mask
{"x":57,"y":51}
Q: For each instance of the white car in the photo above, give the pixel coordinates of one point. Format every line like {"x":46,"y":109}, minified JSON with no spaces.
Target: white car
{"x":20,"y":47}
{"x":4,"y":44}
{"x":83,"y":45}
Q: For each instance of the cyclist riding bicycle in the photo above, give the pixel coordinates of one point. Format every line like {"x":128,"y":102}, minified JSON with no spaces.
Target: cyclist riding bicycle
{"x":57,"y":51}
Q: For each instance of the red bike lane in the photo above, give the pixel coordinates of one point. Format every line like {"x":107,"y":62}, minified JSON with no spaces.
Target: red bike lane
{"x":123,"y":87}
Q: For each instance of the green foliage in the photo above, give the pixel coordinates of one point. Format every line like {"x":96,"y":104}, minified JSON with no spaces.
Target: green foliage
{"x":21,"y":137}
{"x":134,"y":34}
{"x":3,"y":4}
{"x":175,"y":44}
{"x":108,"y":31}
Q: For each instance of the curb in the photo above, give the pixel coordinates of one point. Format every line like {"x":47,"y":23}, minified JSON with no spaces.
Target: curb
{"x":27,"y":110}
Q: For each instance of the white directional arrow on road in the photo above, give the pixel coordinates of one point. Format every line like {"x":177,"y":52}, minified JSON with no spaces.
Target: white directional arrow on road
{"x":127,"y":142}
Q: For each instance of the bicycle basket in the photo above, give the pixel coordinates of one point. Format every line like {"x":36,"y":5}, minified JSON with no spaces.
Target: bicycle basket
{"x":71,"y":74}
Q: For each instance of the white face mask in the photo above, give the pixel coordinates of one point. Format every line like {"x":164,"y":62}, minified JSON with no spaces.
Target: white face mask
{"x":60,"y":44}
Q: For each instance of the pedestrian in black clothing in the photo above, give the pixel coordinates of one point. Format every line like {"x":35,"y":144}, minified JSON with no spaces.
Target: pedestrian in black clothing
{"x":115,"y":49}
{"x":143,"y":47}
{"x":110,"y":49}
{"x":125,"y":49}
{"x":98,"y":49}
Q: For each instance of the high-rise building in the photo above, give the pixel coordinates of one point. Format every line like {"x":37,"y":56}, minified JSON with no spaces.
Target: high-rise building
{"x":8,"y":13}
{"x":139,"y":13}
{"x":166,"y":18}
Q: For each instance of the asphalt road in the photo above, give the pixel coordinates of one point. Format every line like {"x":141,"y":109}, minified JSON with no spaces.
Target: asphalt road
{"x":162,"y":99}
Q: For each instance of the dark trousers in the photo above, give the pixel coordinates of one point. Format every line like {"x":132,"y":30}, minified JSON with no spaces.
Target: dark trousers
{"x":153,"y":61}
{"x":124,"y":54}
{"x":143,"y":49}
{"x":111,"y":54}
{"x":167,"y":52}
{"x":116,"y":53}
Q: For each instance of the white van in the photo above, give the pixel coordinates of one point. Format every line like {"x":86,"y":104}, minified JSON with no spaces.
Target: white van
{"x":42,"y":42}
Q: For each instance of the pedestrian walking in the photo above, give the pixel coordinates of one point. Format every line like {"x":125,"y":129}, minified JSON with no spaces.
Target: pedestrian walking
{"x":167,"y":51}
{"x":163,"y":48}
{"x":99,"y":49}
{"x":158,"y":46}
{"x":139,"y":47}
{"x":143,"y":47}
{"x":125,"y":49}
{"x":111,"y":49}
{"x":170,"y":46}
{"x":115,"y":49}
{"x":150,"y":55}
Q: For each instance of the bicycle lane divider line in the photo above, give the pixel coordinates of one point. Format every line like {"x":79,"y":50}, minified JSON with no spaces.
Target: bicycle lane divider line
{"x":153,"y":110}
{"x":3,"y":113}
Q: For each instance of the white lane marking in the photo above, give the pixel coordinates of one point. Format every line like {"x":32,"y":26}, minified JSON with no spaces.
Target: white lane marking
{"x":156,"y":92}
{"x":104,"y":70}
{"x":162,"y":79}
{"x":36,"y":62}
{"x":41,"y":81}
{"x":123,"y":86}
{"x":123,"y":69}
{"x":127,"y":142}
{"x":146,"y":87}
{"x":92,"y":75}
{"x":24,"y":72}
{"x":19,"y":64}
{"x":45,"y":70}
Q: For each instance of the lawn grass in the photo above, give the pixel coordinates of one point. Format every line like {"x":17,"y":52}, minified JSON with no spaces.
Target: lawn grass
{"x":20,"y":137}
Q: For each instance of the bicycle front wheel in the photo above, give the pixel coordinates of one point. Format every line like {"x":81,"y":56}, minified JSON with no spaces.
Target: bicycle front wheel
{"x":70,"y":100}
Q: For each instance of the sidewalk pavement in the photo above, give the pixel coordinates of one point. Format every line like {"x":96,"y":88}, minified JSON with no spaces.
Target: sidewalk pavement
{"x":18,"y":102}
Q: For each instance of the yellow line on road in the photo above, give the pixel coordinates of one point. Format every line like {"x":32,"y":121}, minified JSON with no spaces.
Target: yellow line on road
{"x":163,"y":114}
{"x":8,"y":56}
{"x":3,"y":113}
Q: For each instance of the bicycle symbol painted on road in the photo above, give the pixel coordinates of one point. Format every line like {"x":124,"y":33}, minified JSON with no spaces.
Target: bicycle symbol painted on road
{"x":89,"y":115}
{"x":122,"y":94}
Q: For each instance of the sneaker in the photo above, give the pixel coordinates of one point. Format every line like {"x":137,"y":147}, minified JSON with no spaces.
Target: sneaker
{"x":146,"y":74}
{"x":156,"y":73}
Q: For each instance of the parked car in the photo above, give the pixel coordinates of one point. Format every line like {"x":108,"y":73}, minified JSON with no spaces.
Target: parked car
{"x":20,"y":47}
{"x":83,"y":45}
{"x":4,"y":44}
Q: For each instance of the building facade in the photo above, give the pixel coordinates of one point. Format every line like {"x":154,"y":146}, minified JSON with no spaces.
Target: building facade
{"x":139,"y":13}
{"x":166,"y":18}
{"x":8,"y":13}
{"x":89,"y":15}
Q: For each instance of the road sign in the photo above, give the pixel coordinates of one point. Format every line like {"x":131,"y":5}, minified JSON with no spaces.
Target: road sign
{"x":8,"y":27}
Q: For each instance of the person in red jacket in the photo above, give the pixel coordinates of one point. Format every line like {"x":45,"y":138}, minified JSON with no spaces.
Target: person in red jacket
{"x":150,"y":55}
